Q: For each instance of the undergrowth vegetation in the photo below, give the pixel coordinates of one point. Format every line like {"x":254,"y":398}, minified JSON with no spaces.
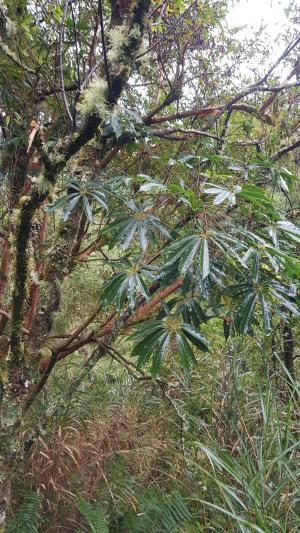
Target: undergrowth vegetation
{"x":218,"y":451}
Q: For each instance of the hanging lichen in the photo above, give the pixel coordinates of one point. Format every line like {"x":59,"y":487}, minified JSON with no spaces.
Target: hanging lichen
{"x":94,"y":99}
{"x":141,"y":57}
{"x":119,"y":36}
{"x":116,"y":39}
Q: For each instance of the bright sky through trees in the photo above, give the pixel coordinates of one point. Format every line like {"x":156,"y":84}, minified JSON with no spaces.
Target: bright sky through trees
{"x":253,"y":12}
{"x":251,"y":15}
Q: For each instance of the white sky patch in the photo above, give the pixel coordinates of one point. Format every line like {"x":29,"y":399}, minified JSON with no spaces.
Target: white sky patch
{"x":254,"y":14}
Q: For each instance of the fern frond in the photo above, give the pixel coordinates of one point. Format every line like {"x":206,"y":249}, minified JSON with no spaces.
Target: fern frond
{"x":161,"y":514}
{"x":93,"y":516}
{"x":27,"y":517}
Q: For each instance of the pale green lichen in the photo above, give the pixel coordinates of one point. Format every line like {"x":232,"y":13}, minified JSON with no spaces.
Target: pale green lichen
{"x":42,"y":184}
{"x":9,"y":52}
{"x":135,"y":32}
{"x":11,"y":27}
{"x":94,"y":99}
{"x":142,"y":59}
{"x":116,"y":38}
{"x":34,"y":277}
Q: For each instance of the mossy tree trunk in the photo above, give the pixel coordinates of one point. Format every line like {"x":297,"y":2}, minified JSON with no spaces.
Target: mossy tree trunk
{"x":19,"y":370}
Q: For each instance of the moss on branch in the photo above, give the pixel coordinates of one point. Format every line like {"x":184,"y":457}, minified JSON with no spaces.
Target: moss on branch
{"x":21,"y":276}
{"x":120,"y":72}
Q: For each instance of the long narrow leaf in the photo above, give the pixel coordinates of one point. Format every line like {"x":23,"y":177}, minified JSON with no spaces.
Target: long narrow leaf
{"x":204,"y":258}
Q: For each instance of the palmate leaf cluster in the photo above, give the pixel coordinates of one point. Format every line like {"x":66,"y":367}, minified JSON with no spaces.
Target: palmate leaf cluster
{"x":245,"y":274}
{"x":127,"y":283}
{"x":85,"y":194}
{"x":193,"y":251}
{"x":155,"y":337}
{"x":137,"y":221}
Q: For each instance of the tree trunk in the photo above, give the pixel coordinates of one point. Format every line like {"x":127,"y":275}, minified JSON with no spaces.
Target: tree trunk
{"x":56,"y":267}
{"x":5,"y":499}
{"x":4,"y":272}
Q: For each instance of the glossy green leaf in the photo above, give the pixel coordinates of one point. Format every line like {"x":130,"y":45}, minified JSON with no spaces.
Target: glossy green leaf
{"x":204,"y":258}
{"x":192,"y":312}
{"x":285,"y":301}
{"x":69,"y":205}
{"x":255,"y":195}
{"x":87,"y":209}
{"x":139,"y":223}
{"x":265,"y":313}
{"x":145,"y":348}
{"x":186,"y":353}
{"x":245,"y":313}
{"x":195,"y":337}
{"x":159,"y":353}
{"x":155,"y":336}
{"x":289,"y":228}
{"x":125,"y":286}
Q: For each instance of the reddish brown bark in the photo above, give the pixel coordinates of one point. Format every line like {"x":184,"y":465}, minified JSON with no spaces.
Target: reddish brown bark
{"x":4,"y":273}
{"x":206,"y":111}
{"x":34,"y":288}
{"x":110,"y":324}
{"x":81,"y":231}
{"x":4,"y":269}
{"x":144,"y":311}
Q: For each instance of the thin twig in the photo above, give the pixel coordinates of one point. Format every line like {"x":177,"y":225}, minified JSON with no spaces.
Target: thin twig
{"x":77,"y":64}
{"x":286,"y":52}
{"x":79,"y":329}
{"x":100,"y":14}
{"x":162,"y":38}
{"x":60,"y":53}
{"x":90,"y":74}
{"x":286,"y":150}
{"x":117,"y":356}
{"x":8,"y":317}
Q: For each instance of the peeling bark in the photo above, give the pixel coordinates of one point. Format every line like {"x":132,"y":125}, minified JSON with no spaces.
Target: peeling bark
{"x":56,"y":267}
{"x":4,"y":269}
{"x":34,"y":289}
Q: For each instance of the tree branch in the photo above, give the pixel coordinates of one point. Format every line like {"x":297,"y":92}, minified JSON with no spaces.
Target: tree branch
{"x":209,"y":111}
{"x":168,"y":134}
{"x":124,"y":321}
{"x":286,"y":150}
{"x":286,"y":52}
